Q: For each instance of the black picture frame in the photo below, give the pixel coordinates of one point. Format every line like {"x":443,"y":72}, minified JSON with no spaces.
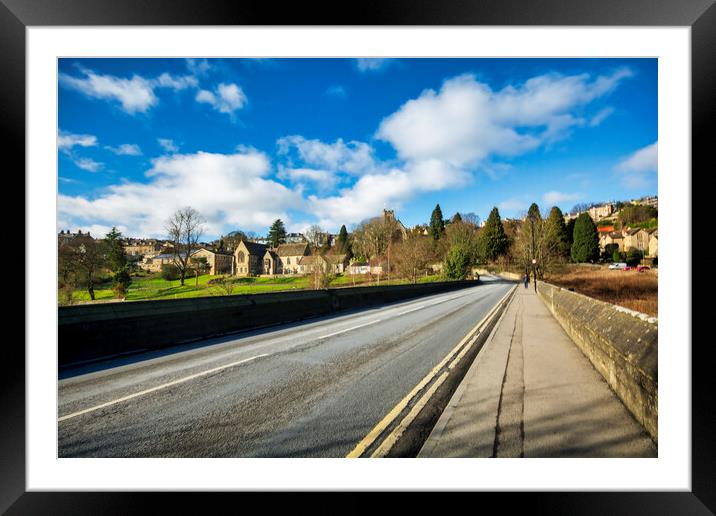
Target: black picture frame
{"x":700,"y":15}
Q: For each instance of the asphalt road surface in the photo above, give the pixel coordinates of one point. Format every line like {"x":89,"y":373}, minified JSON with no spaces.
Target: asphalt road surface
{"x":312,"y":389}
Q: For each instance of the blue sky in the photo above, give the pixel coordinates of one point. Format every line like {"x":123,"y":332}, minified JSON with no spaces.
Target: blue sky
{"x":333,"y":141}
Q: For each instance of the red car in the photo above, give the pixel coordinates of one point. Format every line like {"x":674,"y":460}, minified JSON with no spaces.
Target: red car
{"x":628,"y":268}
{"x":642,"y":268}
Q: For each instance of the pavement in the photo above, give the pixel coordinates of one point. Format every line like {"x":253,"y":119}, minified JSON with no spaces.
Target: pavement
{"x":532,"y":393}
{"x":310,"y":389}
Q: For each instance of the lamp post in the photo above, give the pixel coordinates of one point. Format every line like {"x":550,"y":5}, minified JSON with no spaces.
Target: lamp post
{"x":534,"y":272}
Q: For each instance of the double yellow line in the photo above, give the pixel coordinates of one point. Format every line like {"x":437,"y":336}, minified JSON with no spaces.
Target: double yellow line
{"x":456,"y":354}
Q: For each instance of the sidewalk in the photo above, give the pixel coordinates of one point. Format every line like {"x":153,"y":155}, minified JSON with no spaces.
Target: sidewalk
{"x":532,"y":393}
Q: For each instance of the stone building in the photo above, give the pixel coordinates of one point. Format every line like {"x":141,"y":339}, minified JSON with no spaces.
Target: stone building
{"x":284,"y":259}
{"x":248,"y":259}
{"x":218,"y":262}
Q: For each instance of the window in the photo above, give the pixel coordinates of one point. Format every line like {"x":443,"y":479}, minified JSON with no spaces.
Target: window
{"x":241,"y":257}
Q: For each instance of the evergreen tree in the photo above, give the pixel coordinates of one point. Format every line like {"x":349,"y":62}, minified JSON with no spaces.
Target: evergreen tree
{"x":342,"y":241}
{"x":585,"y":245}
{"x":437,"y":224}
{"x":277,"y":233}
{"x":570,"y":231}
{"x":116,"y":257}
{"x":533,"y":212}
{"x":117,"y":262}
{"x":555,"y":236}
{"x":493,"y":240}
{"x":457,"y":262}
{"x":456,"y":218}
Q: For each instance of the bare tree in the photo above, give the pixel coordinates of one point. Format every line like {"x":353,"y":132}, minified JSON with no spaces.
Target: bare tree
{"x":81,"y":260}
{"x":412,"y":256}
{"x":314,"y":235}
{"x":184,"y":228}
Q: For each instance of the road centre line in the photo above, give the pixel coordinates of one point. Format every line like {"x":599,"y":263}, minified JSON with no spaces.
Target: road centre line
{"x":158,"y":387}
{"x":350,"y":329}
{"x":232,"y":364}
{"x":378,"y":429}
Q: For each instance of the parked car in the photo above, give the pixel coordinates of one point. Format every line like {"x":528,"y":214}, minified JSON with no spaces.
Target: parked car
{"x":618,"y":266}
{"x":642,"y":268}
{"x":628,"y":268}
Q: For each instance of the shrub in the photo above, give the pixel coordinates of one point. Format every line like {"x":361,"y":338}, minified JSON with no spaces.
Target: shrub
{"x":634,"y":256}
{"x":170,"y":272}
{"x":457,"y":263}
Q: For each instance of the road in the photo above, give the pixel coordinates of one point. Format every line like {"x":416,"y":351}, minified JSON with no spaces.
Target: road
{"x":313,"y":389}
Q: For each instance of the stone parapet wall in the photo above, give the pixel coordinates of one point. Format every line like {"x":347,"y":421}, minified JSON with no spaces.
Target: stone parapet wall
{"x":621,"y":344}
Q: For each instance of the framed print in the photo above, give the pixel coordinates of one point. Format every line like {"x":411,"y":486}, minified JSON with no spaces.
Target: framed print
{"x":249,"y":259}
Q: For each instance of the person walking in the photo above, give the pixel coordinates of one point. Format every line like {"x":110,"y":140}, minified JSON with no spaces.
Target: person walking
{"x":526,"y":279}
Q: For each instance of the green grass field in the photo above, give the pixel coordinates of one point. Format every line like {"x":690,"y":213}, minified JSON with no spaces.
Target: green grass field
{"x":152,"y":287}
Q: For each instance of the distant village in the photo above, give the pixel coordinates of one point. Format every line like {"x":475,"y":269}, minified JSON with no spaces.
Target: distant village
{"x":297,"y":255}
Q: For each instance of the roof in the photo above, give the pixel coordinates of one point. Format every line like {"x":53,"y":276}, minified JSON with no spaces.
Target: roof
{"x":359,"y":264}
{"x":335,"y":258}
{"x":292,"y":249}
{"x":307,"y":260}
{"x":605,"y":229}
{"x":616,"y":234}
{"x":254,"y":248}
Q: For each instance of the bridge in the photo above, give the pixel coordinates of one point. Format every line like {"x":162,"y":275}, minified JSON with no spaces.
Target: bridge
{"x":482,"y":371}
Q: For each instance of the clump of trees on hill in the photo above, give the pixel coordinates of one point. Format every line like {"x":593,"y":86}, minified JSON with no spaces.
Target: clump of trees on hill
{"x":83,"y":262}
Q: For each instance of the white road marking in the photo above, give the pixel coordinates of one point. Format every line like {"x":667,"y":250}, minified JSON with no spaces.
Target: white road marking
{"x":158,"y":387}
{"x":350,"y":329}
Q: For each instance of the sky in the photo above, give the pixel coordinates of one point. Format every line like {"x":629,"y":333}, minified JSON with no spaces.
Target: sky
{"x":335,"y":141}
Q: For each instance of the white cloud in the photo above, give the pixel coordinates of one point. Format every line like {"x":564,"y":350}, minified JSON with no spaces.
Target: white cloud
{"x":199,"y":67}
{"x":373,"y":192}
{"x":513,"y":205}
{"x":554,"y":197}
{"x":167,"y":144}
{"x":353,"y":157}
{"x":373,"y":64}
{"x":230,"y":190}
{"x":337,"y":91}
{"x":601,"y":116}
{"x":66,"y":141}
{"x":638,"y":169}
{"x":135,"y":95}
{"x":126,"y":149}
{"x":643,"y":160}
{"x":87,"y":164}
{"x":466,"y":121}
{"x":227,"y":98}
{"x":177,"y":83}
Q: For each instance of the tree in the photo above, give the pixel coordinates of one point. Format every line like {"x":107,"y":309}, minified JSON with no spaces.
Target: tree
{"x":493,"y":242}
{"x":233,"y":239}
{"x":555,"y":234}
{"x":342,"y":243}
{"x":117,"y":262}
{"x":570,"y":231}
{"x":437,"y":224}
{"x":277,"y":233}
{"x":116,"y":257}
{"x":184,"y":228}
{"x":457,"y":263}
{"x":463,"y":234}
{"x":585,"y":244}
{"x":83,"y":258}
{"x":456,"y":218}
{"x":412,"y":256}
{"x":315,"y":235}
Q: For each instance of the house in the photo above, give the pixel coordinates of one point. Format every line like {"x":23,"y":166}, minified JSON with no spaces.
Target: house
{"x":600,"y":212}
{"x":218,"y":262}
{"x":637,"y":238}
{"x":613,"y":238}
{"x":289,"y":255}
{"x":331,"y":263}
{"x":154,"y":263}
{"x":653,"y":245}
{"x":359,"y":268}
{"x":249,"y":259}
{"x":145,"y":248}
